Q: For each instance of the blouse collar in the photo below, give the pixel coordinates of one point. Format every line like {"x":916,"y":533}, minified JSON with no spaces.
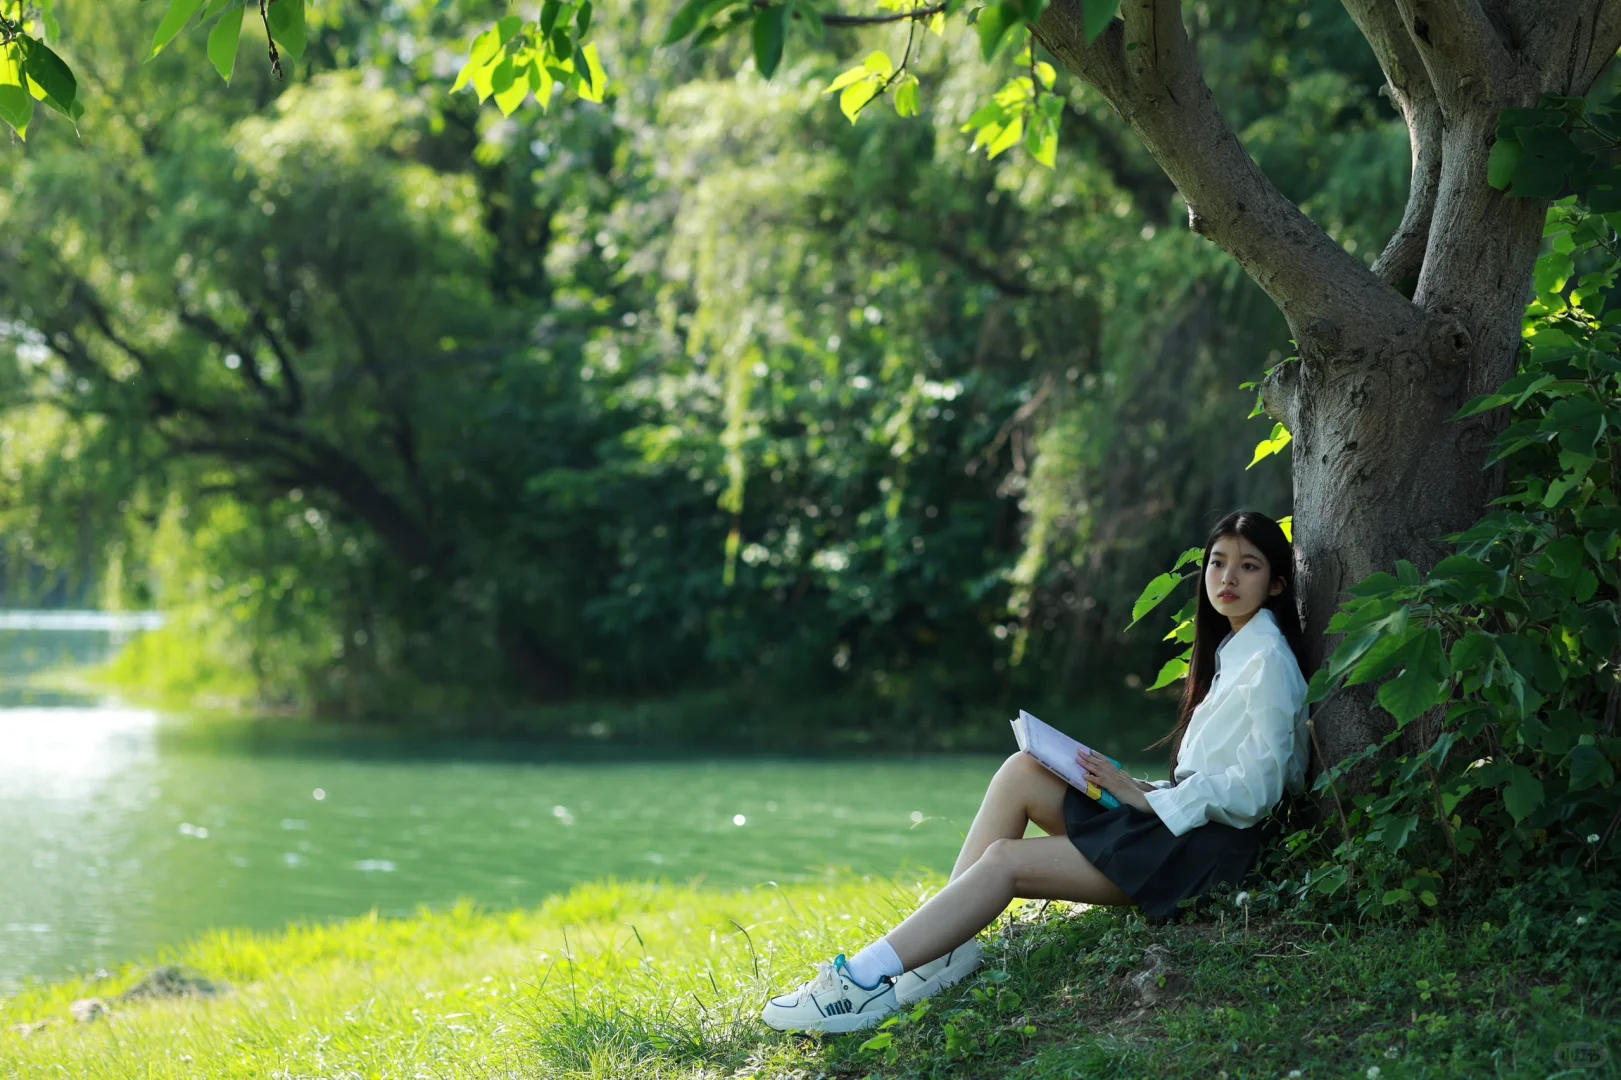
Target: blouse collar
{"x":1245,"y":643}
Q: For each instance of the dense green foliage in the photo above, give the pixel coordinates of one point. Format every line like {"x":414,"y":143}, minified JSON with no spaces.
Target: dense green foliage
{"x":393,"y":402}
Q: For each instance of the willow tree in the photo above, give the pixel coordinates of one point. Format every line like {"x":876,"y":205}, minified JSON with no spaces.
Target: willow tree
{"x":1387,"y":352}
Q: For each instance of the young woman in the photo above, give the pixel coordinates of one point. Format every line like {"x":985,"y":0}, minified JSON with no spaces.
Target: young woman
{"x":1240,"y":742}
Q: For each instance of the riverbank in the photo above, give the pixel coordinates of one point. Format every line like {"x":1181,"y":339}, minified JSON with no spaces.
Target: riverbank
{"x":658,"y":980}
{"x":739,"y":717}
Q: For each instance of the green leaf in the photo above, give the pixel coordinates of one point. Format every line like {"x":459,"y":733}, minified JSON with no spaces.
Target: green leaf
{"x":582,"y":19}
{"x":1388,"y":653}
{"x":1398,"y":829}
{"x":1008,"y":138}
{"x":879,"y":64}
{"x":1174,"y":669}
{"x":16,"y":104}
{"x":1471,"y":575}
{"x":1042,"y":141}
{"x":502,"y":76}
{"x":1319,"y":687}
{"x":1589,"y":767}
{"x":287,"y":26}
{"x":812,"y":19}
{"x":53,"y":76}
{"x":770,"y":27}
{"x":906,"y":96}
{"x":1504,"y":159}
{"x":1579,"y":421}
{"x":1096,"y":15}
{"x":855,"y":96}
{"x":1537,"y":178}
{"x":1351,"y":648}
{"x":1562,"y":558}
{"x":1411,"y":693}
{"x":1153,"y":593}
{"x":1375,"y":583}
{"x":594,"y":81}
{"x":846,"y":78}
{"x":510,"y":86}
{"x":174,"y":21}
{"x":1523,"y":796}
{"x":1270,"y":445}
{"x":995,"y":20}
{"x":223,"y":41}
{"x":507,"y":28}
{"x":1191,"y":555}
{"x":541,"y":84}
{"x":878,"y":1042}
{"x":47,"y":16}
{"x":479,"y":55}
{"x":1481,"y":404}
{"x":549,"y":11}
{"x":1472,"y":650}
{"x":690,"y":15}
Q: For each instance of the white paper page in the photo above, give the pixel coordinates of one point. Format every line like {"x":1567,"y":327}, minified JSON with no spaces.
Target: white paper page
{"x":1053,"y":749}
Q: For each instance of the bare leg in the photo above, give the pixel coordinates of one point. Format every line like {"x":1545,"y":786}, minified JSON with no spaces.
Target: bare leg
{"x":1022,"y":791}
{"x":1040,"y":868}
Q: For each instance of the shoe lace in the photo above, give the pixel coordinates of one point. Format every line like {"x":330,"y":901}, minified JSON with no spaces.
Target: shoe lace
{"x":826,"y":980}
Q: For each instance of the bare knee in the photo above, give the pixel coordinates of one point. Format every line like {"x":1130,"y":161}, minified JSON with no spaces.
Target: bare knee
{"x":1021,"y":769}
{"x":1000,"y":861}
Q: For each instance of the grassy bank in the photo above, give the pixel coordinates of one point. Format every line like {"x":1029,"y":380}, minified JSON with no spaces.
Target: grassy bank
{"x":657,"y":980}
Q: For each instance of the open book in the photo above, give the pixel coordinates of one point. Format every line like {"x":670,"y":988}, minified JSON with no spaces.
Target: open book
{"x":1057,"y":752}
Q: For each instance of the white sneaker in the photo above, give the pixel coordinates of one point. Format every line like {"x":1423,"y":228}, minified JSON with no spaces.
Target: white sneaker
{"x":831,"y":1002}
{"x":936,"y":975}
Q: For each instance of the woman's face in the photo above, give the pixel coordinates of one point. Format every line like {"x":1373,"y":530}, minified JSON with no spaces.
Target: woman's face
{"x":1237,"y":577}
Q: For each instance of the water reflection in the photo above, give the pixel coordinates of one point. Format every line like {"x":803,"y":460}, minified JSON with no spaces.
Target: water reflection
{"x":120,"y":834}
{"x":123,"y":831}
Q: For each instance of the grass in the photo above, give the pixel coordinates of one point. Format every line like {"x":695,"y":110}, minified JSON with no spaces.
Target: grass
{"x":654,"y":980}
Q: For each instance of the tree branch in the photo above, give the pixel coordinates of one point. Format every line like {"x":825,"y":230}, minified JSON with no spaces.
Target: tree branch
{"x":1465,"y":55}
{"x":927,"y":11}
{"x":294,"y":403}
{"x":1411,"y":92}
{"x":247,"y":362}
{"x":1157,"y":87}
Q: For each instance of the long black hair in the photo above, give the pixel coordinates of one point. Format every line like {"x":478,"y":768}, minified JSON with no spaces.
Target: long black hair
{"x":1210,"y":625}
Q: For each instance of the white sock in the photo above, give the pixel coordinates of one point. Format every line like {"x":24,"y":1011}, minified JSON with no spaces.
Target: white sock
{"x":877,"y":959}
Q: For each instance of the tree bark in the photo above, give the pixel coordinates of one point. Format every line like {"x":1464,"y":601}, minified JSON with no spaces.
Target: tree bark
{"x":1379,"y":473}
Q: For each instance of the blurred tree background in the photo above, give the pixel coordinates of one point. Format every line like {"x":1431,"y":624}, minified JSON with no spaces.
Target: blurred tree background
{"x":400,"y":407}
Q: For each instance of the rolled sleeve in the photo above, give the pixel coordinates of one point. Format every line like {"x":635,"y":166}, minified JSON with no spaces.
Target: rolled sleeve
{"x":1244,"y":792}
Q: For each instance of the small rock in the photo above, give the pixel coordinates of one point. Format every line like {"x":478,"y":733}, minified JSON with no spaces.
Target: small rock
{"x":1146,"y":984}
{"x":25,"y":1030}
{"x":169,"y":982}
{"x":87,"y":1009}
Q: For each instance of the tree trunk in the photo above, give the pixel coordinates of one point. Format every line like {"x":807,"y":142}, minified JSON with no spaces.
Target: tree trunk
{"x":1379,"y":473}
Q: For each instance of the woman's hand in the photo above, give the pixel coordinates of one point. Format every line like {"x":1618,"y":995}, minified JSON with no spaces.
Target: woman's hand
{"x":1102,"y":772}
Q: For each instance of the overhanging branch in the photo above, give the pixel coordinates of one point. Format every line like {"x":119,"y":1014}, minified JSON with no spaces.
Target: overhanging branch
{"x":1158,"y":88}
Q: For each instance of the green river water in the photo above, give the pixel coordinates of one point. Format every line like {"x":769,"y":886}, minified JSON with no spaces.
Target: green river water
{"x":123,"y":830}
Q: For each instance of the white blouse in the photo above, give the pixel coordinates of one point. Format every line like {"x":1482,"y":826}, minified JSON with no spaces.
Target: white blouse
{"x":1246,"y":741}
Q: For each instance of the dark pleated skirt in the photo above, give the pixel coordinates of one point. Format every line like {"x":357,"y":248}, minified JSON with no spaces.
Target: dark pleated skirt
{"x":1156,"y":868}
